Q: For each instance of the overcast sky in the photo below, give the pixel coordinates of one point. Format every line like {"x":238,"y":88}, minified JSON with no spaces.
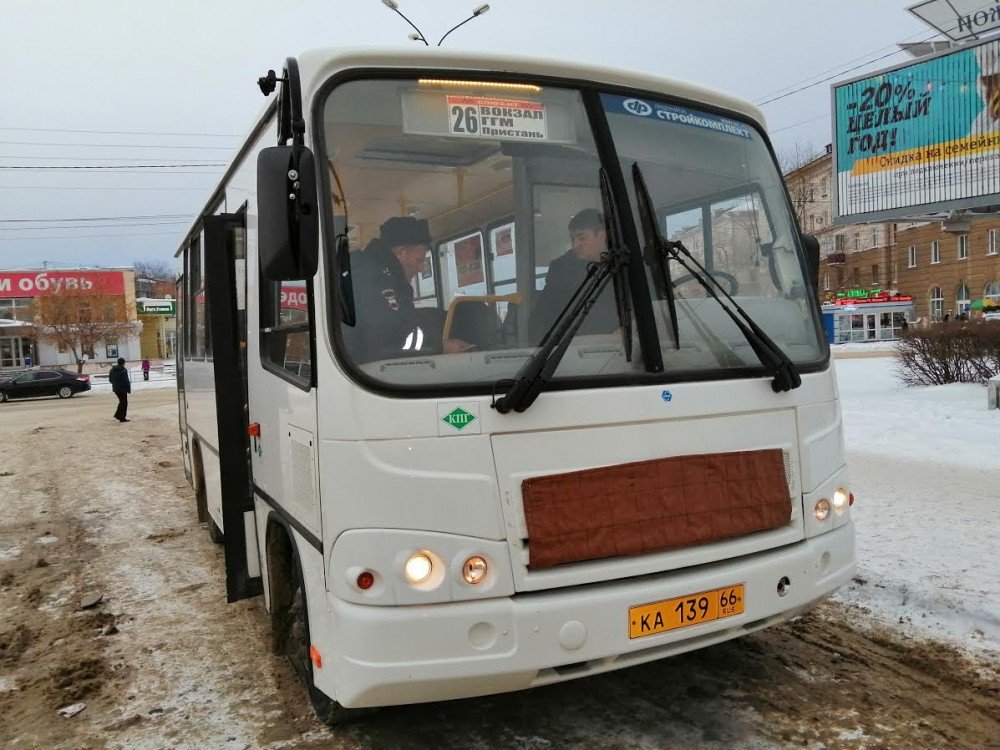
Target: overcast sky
{"x":156,"y":69}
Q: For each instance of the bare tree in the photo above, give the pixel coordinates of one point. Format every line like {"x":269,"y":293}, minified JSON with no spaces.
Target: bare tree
{"x":794,"y":155}
{"x":792,"y":158}
{"x":156,"y":269}
{"x":78,"y":320}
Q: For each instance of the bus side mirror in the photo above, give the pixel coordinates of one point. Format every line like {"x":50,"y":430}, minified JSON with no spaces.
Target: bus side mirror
{"x":287,"y":213}
{"x":811,"y":245}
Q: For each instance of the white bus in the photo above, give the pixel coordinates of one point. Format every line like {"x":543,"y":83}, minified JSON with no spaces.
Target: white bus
{"x":499,"y":371}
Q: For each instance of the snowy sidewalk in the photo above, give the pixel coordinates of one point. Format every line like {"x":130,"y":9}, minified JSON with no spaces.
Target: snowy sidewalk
{"x":925,"y":466}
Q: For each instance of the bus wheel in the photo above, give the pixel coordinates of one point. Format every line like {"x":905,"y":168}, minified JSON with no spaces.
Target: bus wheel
{"x":198,"y":479}
{"x":297,"y":644}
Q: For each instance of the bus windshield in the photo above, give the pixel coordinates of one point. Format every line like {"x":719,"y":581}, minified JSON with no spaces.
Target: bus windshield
{"x":473,"y":211}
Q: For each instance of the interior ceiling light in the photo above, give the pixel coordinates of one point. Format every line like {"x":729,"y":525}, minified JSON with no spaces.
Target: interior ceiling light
{"x":480,"y":84}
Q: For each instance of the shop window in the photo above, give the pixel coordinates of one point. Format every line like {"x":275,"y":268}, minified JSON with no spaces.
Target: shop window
{"x":962,"y":300}
{"x":937,"y":303}
{"x":963,"y":247}
{"x":992,"y":291}
{"x":911,"y":256}
{"x":18,"y":308}
{"x":935,"y":252}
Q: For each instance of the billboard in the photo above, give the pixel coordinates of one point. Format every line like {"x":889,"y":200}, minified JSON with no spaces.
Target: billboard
{"x":918,"y":138}
{"x":44,"y":283}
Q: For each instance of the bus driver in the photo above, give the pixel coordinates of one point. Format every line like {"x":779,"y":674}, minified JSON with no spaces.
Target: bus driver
{"x":388,"y":323}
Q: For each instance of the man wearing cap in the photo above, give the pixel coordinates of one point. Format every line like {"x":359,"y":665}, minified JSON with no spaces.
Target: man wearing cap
{"x":388,"y":324}
{"x":587,"y":241}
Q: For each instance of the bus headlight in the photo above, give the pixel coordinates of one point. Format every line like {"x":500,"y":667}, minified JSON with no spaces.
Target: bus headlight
{"x":474,"y":570}
{"x":418,"y":567}
{"x":840,"y":499}
{"x":822,"y":509}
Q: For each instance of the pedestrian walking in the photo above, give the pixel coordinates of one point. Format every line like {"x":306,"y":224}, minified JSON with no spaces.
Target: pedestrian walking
{"x":145,"y":369}
{"x":122,"y":386}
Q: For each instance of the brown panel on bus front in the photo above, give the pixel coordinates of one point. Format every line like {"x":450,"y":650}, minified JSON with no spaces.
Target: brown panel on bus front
{"x":648,"y":506}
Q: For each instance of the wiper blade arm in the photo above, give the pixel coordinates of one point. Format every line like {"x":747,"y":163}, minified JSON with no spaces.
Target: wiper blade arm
{"x":784,"y":372}
{"x":652,"y":255}
{"x":532,"y":378}
{"x":775,"y":361}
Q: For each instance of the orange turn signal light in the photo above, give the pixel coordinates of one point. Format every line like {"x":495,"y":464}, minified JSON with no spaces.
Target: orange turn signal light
{"x":254,"y":430}
{"x":316,"y":656}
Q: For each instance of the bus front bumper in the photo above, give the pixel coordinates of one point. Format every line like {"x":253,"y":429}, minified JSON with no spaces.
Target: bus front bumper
{"x":415,"y":654}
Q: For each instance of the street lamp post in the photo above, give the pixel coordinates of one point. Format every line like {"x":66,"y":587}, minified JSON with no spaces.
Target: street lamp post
{"x":419,"y":35}
{"x":475,"y":13}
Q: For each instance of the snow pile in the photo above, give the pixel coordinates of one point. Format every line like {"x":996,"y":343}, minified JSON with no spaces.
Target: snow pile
{"x":925,"y":466}
{"x":864,"y":347}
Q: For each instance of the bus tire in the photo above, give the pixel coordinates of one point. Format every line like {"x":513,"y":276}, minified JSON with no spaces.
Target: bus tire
{"x":290,"y":622}
{"x":198,"y":480}
{"x":327,"y":710}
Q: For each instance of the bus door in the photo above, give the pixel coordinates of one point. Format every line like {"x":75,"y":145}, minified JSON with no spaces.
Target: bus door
{"x":179,"y":352}
{"x":225,"y":272}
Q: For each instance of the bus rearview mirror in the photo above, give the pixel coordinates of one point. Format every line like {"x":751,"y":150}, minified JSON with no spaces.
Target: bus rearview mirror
{"x":288,"y":213}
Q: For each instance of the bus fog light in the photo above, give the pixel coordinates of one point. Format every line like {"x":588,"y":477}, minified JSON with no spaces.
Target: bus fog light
{"x":474,"y":570}
{"x":418,"y":567}
{"x":822,"y":509}
{"x":840,"y":500}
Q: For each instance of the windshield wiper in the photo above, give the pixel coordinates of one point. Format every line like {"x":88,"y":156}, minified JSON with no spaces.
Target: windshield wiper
{"x":662,"y":281}
{"x":532,"y":378}
{"x":776,"y":363}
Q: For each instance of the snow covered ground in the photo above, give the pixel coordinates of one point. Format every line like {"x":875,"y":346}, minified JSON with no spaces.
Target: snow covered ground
{"x":925,"y":467}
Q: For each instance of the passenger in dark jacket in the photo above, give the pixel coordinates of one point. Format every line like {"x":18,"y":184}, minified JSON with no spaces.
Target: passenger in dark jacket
{"x":388,"y":322}
{"x":122,"y":386}
{"x":567,"y":272}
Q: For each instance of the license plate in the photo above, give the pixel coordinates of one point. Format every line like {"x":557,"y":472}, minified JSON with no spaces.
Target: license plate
{"x":683,"y":611}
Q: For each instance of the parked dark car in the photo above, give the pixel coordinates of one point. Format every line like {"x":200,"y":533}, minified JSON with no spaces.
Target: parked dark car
{"x":61,"y":383}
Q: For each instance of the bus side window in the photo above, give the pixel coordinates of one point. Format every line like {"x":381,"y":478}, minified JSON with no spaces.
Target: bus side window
{"x":199,"y":336}
{"x":503,"y":255}
{"x":285,"y":325}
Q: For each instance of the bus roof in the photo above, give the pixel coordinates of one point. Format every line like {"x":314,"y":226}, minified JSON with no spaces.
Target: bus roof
{"x":315,"y":66}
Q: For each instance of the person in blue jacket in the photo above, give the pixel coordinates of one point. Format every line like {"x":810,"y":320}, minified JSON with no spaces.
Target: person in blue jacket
{"x":122,"y":386}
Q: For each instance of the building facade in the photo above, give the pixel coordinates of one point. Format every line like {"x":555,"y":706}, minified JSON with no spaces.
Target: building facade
{"x":874,"y":276}
{"x":25,"y":292}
